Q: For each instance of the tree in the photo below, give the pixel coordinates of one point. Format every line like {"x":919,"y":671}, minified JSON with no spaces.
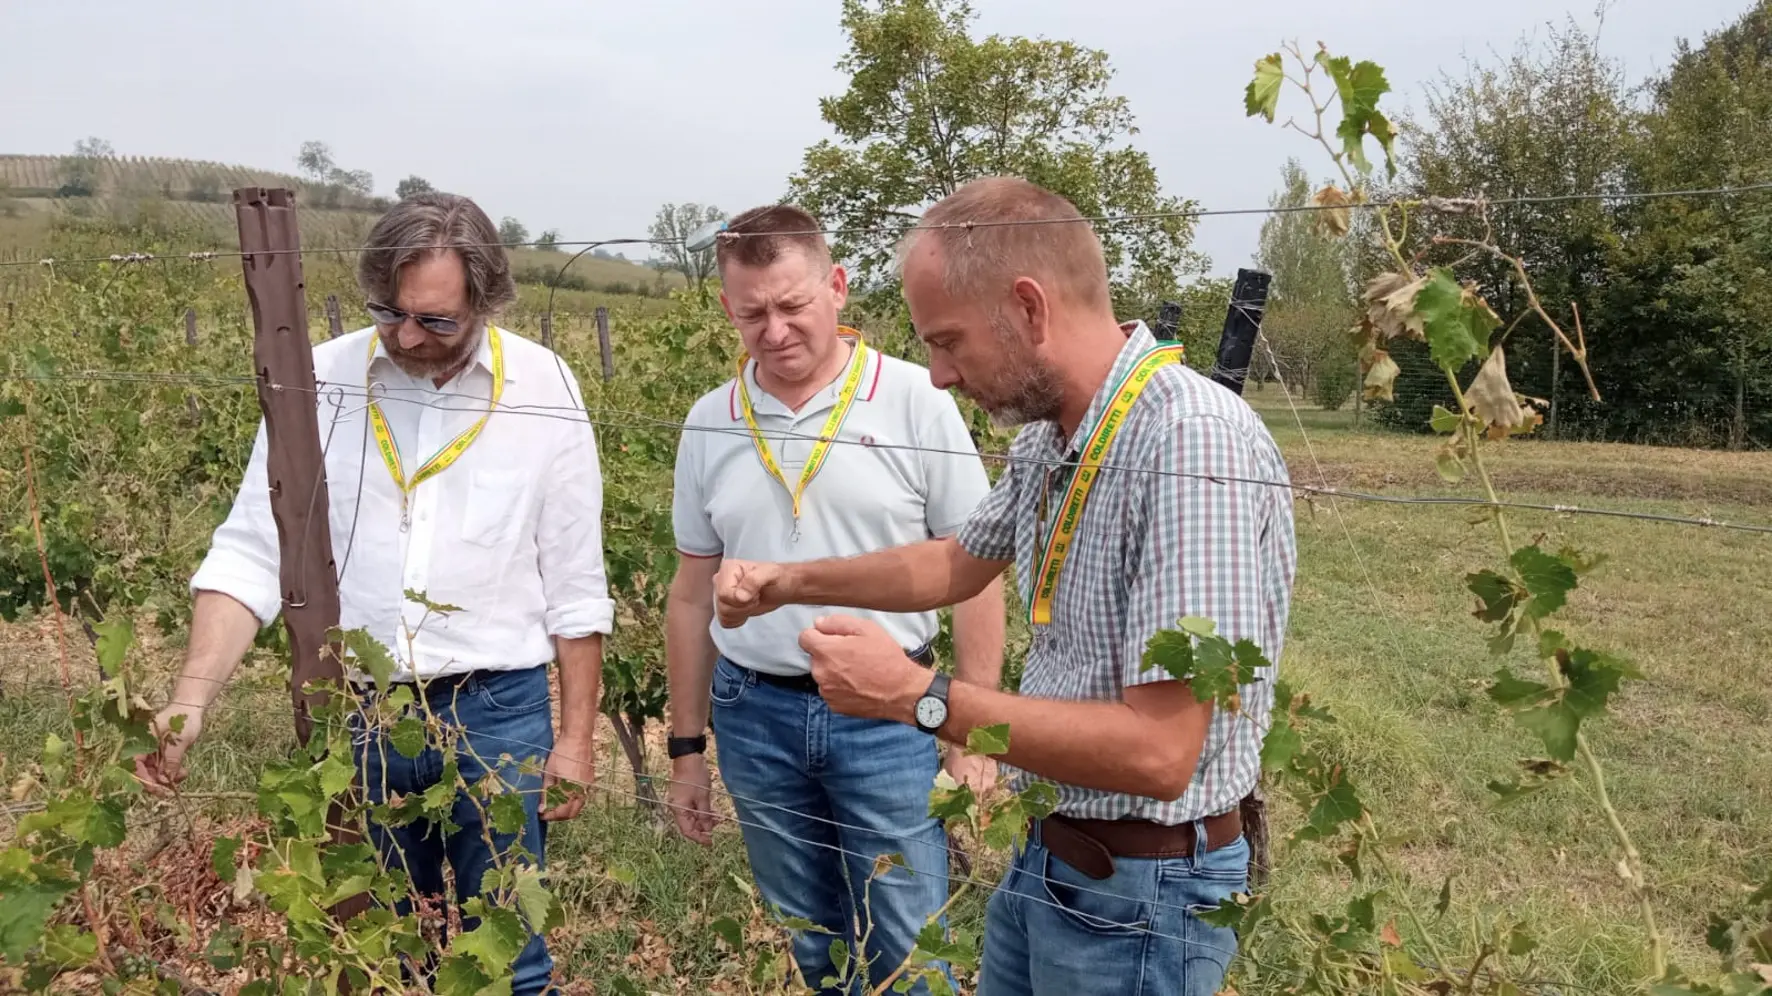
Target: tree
{"x":356,"y":181}
{"x":1311,"y":301}
{"x":929,"y":108}
{"x":79,"y":171}
{"x":673,"y":224}
{"x":94,"y":148}
{"x":315,"y":161}
{"x":548,"y":241}
{"x":412,"y":186}
{"x":511,"y":232}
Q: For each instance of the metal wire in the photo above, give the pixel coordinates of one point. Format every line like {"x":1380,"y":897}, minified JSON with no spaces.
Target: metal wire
{"x":1445,"y":205}
{"x":637,"y":420}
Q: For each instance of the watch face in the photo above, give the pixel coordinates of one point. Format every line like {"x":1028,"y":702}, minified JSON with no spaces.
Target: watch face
{"x":931,"y":712}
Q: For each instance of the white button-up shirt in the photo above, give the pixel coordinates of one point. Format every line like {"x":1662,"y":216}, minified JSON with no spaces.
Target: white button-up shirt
{"x":511,"y":532}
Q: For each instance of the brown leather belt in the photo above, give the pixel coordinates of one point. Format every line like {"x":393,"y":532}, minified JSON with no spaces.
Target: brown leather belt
{"x":1090,"y":846}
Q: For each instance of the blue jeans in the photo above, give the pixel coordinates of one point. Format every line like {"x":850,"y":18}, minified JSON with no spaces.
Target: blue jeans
{"x":499,"y":712}
{"x":1050,"y":930}
{"x":796,"y":770}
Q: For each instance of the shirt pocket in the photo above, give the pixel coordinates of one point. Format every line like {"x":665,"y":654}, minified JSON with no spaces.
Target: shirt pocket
{"x":496,"y":506}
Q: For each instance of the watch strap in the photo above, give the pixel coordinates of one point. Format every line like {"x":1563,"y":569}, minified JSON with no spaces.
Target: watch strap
{"x":684,"y":746}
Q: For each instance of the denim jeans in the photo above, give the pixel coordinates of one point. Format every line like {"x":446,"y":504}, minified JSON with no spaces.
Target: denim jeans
{"x":1050,"y":930}
{"x":499,"y":712}
{"x":809,"y":785}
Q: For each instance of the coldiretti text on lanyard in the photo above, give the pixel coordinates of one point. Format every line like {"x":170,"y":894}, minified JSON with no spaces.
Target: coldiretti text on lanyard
{"x":1058,"y":540}
{"x":443,"y":458}
{"x":833,"y":424}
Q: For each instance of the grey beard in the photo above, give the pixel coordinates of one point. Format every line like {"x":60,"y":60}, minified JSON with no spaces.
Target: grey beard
{"x":420,"y":367}
{"x":1034,"y":398}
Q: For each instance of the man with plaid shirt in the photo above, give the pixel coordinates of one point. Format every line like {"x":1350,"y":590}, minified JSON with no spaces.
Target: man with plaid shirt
{"x":1137,"y":494}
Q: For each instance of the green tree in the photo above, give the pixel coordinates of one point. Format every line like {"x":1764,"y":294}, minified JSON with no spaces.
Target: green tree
{"x":549,"y":240}
{"x":511,"y":231}
{"x":929,"y":107}
{"x":315,"y":162}
{"x":1310,"y":301}
{"x":412,"y":186}
{"x":79,"y":171}
{"x":672,"y":226}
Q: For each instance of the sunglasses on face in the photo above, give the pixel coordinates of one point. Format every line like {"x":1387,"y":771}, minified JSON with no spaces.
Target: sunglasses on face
{"x":385,"y":315}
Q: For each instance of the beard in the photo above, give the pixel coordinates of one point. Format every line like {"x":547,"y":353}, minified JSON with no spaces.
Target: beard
{"x":1023,"y":390}
{"x":435,"y":357}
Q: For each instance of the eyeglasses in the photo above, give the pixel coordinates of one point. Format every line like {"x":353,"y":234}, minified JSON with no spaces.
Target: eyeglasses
{"x":385,"y":315}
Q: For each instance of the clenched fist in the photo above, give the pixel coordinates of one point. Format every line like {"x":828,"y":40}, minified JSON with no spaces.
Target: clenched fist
{"x":744,"y":589}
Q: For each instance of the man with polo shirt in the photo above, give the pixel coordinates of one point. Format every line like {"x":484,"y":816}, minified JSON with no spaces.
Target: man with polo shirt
{"x":820,"y":446}
{"x":1187,"y":513}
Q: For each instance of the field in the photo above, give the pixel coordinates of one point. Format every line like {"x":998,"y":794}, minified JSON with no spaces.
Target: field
{"x":1380,"y":632}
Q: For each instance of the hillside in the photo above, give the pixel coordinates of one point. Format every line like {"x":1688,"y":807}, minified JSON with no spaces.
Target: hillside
{"x":195,"y":197}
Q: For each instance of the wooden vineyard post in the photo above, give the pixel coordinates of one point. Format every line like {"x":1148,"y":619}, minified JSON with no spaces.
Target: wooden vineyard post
{"x":603,"y":343}
{"x":335,"y":326}
{"x":191,"y":341}
{"x":284,"y":362}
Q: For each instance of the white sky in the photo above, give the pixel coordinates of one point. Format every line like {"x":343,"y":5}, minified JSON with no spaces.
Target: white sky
{"x":585,"y":116}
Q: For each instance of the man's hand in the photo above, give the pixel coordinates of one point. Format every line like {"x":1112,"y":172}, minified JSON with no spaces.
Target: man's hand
{"x":690,"y":798}
{"x":570,"y":766}
{"x":165,"y":768}
{"x":975,"y":771}
{"x":861,"y":671}
{"x":744,"y":589}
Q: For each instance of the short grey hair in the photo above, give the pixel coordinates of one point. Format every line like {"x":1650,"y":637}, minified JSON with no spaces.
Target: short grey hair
{"x":429,"y":223}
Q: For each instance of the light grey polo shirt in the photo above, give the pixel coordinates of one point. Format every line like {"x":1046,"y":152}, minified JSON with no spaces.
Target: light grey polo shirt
{"x":903,"y":469}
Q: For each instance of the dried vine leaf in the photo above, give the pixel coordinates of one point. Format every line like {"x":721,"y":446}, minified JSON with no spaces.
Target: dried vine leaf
{"x":1333,"y":220}
{"x":1390,"y":305}
{"x":1381,"y":375}
{"x":1492,"y":397}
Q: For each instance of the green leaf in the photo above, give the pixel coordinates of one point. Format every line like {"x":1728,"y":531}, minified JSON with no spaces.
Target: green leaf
{"x":1039,"y":800}
{"x":369,"y":655}
{"x":540,"y":909}
{"x":1281,"y":744}
{"x":507,"y":813}
{"x":1336,"y":804}
{"x":221,"y":859}
{"x":67,"y":946}
{"x":114,"y":639}
{"x":495,"y":941}
{"x":10,"y":407}
{"x":1548,"y":578}
{"x":1455,"y":322}
{"x":441,"y":608}
{"x":1520,"y":942}
{"x":839,"y":955}
{"x":1509,"y":691}
{"x":408,"y":736}
{"x":949,"y":800}
{"x":729,"y":931}
{"x":1445,"y":421}
{"x":1262,"y":95}
{"x":458,"y":975}
{"x":336,"y":773}
{"x":1498,"y":594}
{"x":1197,"y":626}
{"x":1556,"y":724}
{"x":1593,"y":677}
{"x":1172,"y":651}
{"x":1359,"y":86}
{"x":28,"y":905}
{"x":991,"y":741}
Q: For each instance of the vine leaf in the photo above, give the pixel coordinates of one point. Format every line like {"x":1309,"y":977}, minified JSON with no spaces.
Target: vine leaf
{"x":990,"y":741}
{"x":1390,"y":306}
{"x":1445,"y":421}
{"x":1555,"y":714}
{"x":539,"y":907}
{"x":114,"y":639}
{"x":1498,"y":594}
{"x":1332,"y":221}
{"x":1214,"y":668}
{"x":1360,"y":85}
{"x":1455,"y":320}
{"x":1492,"y":397}
{"x":1549,"y":579}
{"x":1381,"y":375}
{"x":495,"y":941}
{"x":368,"y":653}
{"x":1262,"y":95}
{"x":728,"y":930}
{"x":1336,"y":803}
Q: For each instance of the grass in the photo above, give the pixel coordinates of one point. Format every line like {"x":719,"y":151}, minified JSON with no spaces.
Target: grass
{"x":1381,"y":633}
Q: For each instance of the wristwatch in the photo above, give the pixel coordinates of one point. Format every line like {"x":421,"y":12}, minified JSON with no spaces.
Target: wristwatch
{"x":684,"y":746}
{"x":932,"y":708}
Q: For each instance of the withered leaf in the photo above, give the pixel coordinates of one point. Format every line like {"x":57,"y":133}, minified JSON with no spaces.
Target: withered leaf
{"x":1333,"y":220}
{"x":1492,"y":397}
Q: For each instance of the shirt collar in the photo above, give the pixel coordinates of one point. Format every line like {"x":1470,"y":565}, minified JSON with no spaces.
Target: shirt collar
{"x":1139,"y":341}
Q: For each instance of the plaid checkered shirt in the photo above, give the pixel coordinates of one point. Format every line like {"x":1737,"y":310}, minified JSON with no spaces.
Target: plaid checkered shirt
{"x":1152,"y":547}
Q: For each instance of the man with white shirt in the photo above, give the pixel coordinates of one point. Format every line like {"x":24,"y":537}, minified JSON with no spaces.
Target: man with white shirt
{"x":460,"y":500}
{"x":820,"y":446}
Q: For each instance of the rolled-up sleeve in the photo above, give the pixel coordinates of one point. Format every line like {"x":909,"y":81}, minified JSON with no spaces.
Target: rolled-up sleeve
{"x":1199,"y":538}
{"x":569,"y":537}
{"x":242,"y":560}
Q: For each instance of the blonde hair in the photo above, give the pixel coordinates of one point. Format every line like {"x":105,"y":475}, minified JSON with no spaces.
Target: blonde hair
{"x":1000,"y":228}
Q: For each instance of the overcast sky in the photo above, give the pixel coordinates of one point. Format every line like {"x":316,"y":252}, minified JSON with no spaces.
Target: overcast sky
{"x":585,"y":116}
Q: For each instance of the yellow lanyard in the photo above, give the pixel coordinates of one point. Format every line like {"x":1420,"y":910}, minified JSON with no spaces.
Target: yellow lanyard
{"x":832,"y":424}
{"x":441,"y":461}
{"x":1064,"y":528}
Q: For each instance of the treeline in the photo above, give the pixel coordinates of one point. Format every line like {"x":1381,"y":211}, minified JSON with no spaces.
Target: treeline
{"x":1671,"y":292}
